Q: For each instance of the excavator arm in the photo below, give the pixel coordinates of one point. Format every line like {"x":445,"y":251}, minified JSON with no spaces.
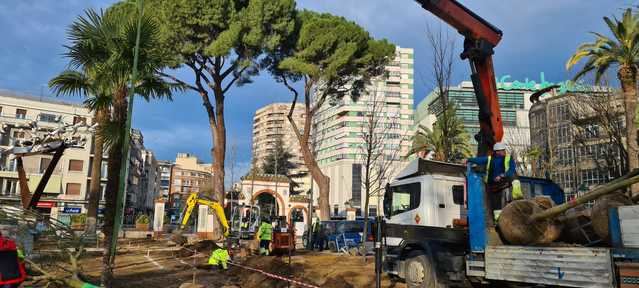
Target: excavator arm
{"x":480,"y":39}
{"x":193,"y":201}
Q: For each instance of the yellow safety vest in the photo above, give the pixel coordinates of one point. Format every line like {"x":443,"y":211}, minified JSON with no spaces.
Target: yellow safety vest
{"x":517,"y":193}
{"x":516,"y":190}
{"x":506,"y":166}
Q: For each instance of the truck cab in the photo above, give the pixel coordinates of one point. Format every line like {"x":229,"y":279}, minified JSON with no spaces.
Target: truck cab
{"x":421,"y":205}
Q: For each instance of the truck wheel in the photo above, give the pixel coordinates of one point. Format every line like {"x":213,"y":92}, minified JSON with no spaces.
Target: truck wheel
{"x":420,"y":273}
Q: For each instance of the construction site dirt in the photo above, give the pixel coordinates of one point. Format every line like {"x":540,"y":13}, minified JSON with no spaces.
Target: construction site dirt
{"x":157,"y":264}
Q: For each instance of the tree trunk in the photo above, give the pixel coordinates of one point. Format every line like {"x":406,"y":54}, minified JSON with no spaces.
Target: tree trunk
{"x":323,"y":181}
{"x":219,"y":145}
{"x":96,"y":175}
{"x":628,"y":78}
{"x":113,"y":181}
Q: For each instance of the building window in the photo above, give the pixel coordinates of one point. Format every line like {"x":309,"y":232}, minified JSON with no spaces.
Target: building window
{"x":73,"y":189}
{"x":76,"y":165}
{"x":21,"y":113}
{"x":44,"y":163}
{"x":104,"y":170}
{"x":372,"y":211}
{"x":10,"y":187}
{"x":79,"y":119}
{"x":18,"y":134}
{"x":44,"y":117}
{"x":0,"y":110}
{"x":335,"y":209}
{"x":357,"y":184}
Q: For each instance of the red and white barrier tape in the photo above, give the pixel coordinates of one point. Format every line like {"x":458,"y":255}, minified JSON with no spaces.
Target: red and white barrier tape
{"x":274,"y":276}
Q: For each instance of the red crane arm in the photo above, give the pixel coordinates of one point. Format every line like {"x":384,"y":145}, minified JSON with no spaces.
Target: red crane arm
{"x":480,"y":39}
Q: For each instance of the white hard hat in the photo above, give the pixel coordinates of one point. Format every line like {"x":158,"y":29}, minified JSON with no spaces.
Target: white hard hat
{"x":499,"y":146}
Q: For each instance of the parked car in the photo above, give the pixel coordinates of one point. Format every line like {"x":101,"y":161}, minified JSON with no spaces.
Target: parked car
{"x":349,"y":234}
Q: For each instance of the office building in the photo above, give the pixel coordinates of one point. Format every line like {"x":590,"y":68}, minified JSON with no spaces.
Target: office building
{"x":513,"y":102}
{"x":571,"y":132}
{"x":338,"y":126}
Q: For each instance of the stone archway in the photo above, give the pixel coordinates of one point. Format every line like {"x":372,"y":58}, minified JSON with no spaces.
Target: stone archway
{"x":278,"y":198}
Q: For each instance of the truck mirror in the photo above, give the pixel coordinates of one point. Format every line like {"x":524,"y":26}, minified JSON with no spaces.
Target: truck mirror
{"x":388,"y":199}
{"x":458,"y":194}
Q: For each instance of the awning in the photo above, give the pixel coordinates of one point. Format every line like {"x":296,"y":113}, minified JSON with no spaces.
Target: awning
{"x":53,"y":186}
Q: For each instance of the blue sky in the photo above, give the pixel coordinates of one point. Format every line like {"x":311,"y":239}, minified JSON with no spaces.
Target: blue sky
{"x":539,"y":36}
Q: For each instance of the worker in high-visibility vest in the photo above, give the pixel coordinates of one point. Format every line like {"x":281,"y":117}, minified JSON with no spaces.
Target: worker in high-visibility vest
{"x":500,"y":177}
{"x":219,"y":257}
{"x":265,"y":234}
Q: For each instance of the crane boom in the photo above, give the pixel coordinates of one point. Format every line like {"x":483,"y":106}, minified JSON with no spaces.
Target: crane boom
{"x":481,"y":37}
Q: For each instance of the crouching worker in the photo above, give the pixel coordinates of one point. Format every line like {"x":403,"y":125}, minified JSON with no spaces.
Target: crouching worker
{"x":265,"y":234}
{"x":219,"y":257}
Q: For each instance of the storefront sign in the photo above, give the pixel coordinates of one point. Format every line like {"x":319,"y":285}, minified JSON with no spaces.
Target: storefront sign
{"x":72,"y":210}
{"x":45,"y":204}
{"x":565,"y":86}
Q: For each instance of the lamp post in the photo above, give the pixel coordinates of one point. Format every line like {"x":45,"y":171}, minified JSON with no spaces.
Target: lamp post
{"x":119,"y":208}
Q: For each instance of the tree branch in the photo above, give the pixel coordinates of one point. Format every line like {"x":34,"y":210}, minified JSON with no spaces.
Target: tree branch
{"x":239,"y":74}
{"x":178,"y":81}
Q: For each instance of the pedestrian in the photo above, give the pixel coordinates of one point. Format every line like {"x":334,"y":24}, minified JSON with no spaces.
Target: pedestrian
{"x":219,"y":257}
{"x":12,"y":272}
{"x":265,"y":234}
{"x":499,"y":176}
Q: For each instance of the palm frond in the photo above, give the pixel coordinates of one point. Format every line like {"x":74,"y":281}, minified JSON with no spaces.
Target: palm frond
{"x":71,"y":82}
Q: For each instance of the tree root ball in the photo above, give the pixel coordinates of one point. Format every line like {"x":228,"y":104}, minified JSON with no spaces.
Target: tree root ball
{"x":516,"y":230}
{"x":600,"y":213}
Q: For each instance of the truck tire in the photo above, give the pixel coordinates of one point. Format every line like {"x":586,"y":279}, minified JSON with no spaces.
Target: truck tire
{"x":420,"y":273}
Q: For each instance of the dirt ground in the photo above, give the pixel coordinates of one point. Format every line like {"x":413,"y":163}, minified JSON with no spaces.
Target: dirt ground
{"x":157,"y":264}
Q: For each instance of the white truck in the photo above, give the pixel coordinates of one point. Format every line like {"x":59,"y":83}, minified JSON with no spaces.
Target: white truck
{"x":435,"y":235}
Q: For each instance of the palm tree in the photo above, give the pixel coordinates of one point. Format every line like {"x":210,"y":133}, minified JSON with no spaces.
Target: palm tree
{"x":76,"y":82}
{"x":453,"y":147}
{"x":622,"y":51}
{"x":101,"y":61}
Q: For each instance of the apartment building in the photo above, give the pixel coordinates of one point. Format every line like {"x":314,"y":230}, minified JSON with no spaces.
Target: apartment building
{"x":66,"y":192}
{"x":338,"y":129}
{"x":271,"y":124}
{"x":164,"y":170}
{"x":65,"y":195}
{"x":188,"y":175}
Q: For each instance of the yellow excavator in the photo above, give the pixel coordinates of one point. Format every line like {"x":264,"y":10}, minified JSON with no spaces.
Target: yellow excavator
{"x":193,"y":201}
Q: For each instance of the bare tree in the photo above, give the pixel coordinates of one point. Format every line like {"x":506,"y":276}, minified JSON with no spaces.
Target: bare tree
{"x":518,"y":141}
{"x":598,"y":132}
{"x":381,"y":145}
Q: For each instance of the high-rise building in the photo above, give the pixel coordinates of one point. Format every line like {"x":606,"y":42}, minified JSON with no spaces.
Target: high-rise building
{"x":338,"y":129}
{"x":578,"y":137}
{"x":188,"y":175}
{"x":513,"y":102}
{"x":271,"y":124}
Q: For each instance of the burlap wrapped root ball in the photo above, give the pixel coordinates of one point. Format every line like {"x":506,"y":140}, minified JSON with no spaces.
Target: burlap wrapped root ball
{"x":600,"y":212}
{"x":515,"y":228}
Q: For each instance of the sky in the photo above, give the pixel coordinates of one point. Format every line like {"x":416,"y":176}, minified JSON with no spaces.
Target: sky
{"x":539,"y":36}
